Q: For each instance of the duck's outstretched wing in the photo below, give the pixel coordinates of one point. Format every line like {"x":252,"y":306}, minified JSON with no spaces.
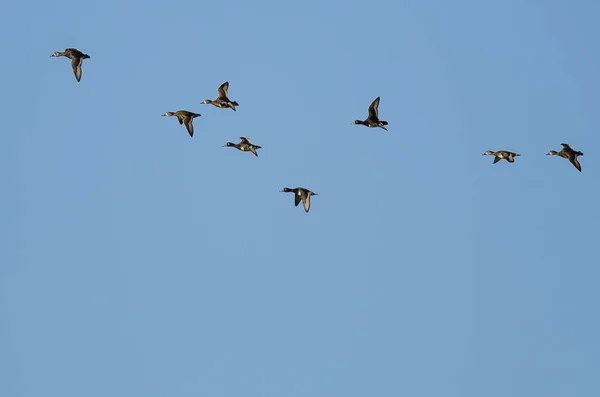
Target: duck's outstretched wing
{"x":76,"y":64}
{"x":189,"y":126}
{"x":306,"y":202}
{"x":575,"y":162}
{"x":566,"y":146}
{"x":374,"y":108}
{"x":223,"y":90}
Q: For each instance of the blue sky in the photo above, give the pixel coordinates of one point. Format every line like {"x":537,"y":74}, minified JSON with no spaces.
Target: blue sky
{"x":138,"y":261}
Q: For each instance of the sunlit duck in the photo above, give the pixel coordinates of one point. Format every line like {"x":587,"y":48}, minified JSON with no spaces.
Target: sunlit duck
{"x":76,"y":57}
{"x":502,"y":154}
{"x":301,"y":194}
{"x":373,"y":120}
{"x":184,"y":117}
{"x":568,"y":153}
{"x":223,"y":99}
{"x":245,"y":146}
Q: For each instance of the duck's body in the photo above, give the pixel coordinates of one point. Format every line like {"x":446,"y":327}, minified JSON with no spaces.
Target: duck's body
{"x":568,"y":153}
{"x":245,"y":146}
{"x":301,"y":194}
{"x":373,"y":120}
{"x":184,"y":117}
{"x":222,"y":100}
{"x":502,"y":154}
{"x":76,"y":57}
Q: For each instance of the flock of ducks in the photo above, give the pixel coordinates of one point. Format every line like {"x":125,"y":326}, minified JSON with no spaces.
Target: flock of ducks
{"x":245,"y":145}
{"x":567,"y":152}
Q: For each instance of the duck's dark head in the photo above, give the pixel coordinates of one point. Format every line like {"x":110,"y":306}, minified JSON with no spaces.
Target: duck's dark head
{"x":56,"y":54}
{"x":552,"y":153}
{"x":206,"y":102}
{"x":358,"y":122}
{"x":168,"y":114}
{"x":229,"y":144}
{"x":286,"y":190}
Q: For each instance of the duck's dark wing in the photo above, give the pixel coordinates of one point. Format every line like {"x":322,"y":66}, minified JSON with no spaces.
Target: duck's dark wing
{"x":510,"y":159}
{"x":223,"y":90}
{"x":566,"y":146}
{"x":374,"y":108}
{"x":189,"y":126}
{"x":297,"y":198}
{"x":575,"y":162}
{"x":496,"y":159}
{"x":76,"y":64}
{"x":253,"y":150}
{"x":245,"y":140}
{"x":74,"y":52}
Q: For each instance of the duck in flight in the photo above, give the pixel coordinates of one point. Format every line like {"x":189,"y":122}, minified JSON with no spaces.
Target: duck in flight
{"x":300,"y":194}
{"x":222,"y":100}
{"x":502,"y":154}
{"x":245,"y":146}
{"x":76,"y":57}
{"x":568,"y":153}
{"x":184,"y":117}
{"x":373,"y":120}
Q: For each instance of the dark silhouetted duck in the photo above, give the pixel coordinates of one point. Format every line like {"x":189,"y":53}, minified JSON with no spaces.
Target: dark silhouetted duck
{"x":502,"y":154}
{"x":76,"y":57}
{"x":568,"y":153}
{"x":223,"y":99}
{"x":301,"y":194}
{"x":184,"y":117}
{"x":245,"y":146}
{"x":373,"y":120}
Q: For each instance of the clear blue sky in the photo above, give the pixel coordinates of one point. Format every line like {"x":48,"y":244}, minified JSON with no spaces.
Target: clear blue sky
{"x":137,"y":261}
